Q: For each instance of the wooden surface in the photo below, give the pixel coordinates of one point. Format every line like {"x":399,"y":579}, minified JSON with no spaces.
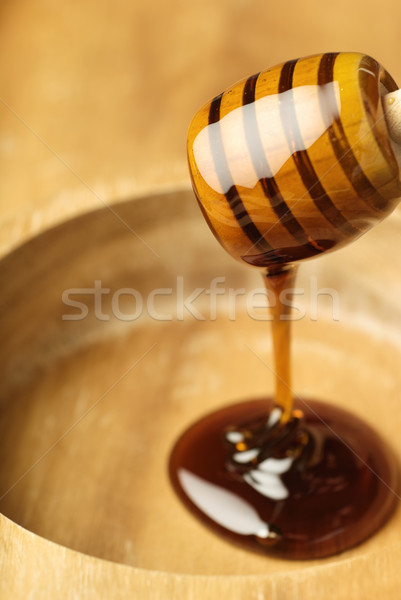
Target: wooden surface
{"x":97,"y":97}
{"x":91,"y":408}
{"x":95,"y":103}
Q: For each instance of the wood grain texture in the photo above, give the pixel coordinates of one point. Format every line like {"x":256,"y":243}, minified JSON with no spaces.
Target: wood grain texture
{"x":111,"y":88}
{"x":86,"y":427}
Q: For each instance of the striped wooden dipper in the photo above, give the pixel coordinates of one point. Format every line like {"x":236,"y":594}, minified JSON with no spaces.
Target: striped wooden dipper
{"x":298,"y":159}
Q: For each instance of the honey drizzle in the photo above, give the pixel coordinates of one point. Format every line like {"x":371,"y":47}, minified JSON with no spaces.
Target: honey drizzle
{"x":280,"y":284}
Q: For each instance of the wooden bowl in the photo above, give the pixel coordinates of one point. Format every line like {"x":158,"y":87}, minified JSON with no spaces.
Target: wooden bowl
{"x":101,"y":373}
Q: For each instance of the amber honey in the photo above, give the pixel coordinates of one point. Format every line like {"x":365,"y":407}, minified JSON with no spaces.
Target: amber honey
{"x":287,"y":164}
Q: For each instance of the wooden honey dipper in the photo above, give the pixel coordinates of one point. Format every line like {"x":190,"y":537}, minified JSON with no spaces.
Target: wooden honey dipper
{"x":295,"y":161}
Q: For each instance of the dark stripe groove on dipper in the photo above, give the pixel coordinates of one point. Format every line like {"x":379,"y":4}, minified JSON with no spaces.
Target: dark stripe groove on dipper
{"x":341,"y":147}
{"x":302,"y":161}
{"x":232,"y":195}
{"x":261,"y":165}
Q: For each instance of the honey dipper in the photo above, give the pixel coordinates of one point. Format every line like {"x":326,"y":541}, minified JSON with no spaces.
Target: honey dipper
{"x":298,"y":159}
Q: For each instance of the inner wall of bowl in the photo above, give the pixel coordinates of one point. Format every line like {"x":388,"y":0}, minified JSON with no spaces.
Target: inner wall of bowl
{"x":114,"y":347}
